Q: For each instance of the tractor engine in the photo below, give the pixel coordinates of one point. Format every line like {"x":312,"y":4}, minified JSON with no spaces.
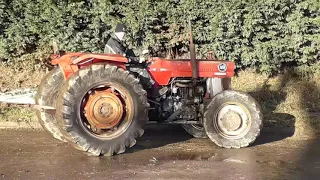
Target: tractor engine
{"x":181,"y":101}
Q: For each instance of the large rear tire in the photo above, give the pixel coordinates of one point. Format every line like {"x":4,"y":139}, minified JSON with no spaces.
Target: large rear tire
{"x":47,"y":93}
{"x":102,"y":109}
{"x":233,"y":119}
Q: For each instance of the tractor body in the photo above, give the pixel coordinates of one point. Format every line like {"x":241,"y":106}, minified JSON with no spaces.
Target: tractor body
{"x":99,"y":103}
{"x":168,"y":82}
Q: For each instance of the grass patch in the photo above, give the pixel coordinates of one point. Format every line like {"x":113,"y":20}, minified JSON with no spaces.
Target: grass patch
{"x":15,"y":78}
{"x":18,"y":78}
{"x":18,"y":114}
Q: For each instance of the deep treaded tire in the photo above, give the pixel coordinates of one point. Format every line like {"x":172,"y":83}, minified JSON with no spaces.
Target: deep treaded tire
{"x":69,"y":116}
{"x":195,"y":130}
{"x":239,"y":101}
{"x":47,"y":93}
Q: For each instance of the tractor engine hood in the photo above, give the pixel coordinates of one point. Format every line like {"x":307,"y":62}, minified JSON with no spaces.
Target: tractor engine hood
{"x":163,"y":69}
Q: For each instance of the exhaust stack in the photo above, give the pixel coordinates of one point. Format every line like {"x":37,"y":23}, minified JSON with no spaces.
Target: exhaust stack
{"x":192,"y":49}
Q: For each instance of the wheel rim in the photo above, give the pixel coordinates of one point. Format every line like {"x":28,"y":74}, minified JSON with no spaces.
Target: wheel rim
{"x":106,"y":111}
{"x":103,"y":109}
{"x":232,"y":120}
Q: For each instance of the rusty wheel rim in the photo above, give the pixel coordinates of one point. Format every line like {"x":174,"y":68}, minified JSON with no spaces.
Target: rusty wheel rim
{"x":106,"y":110}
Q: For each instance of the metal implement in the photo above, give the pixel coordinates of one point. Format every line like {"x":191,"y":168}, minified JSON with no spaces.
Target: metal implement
{"x":23,"y":97}
{"x":19,"y":96}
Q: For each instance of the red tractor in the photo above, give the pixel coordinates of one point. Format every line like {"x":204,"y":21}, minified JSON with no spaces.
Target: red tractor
{"x":100,"y":102}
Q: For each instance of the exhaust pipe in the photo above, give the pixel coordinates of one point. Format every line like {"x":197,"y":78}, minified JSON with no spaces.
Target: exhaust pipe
{"x":192,"y":49}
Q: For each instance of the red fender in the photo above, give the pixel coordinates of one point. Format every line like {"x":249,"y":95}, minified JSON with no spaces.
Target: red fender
{"x":72,"y":62}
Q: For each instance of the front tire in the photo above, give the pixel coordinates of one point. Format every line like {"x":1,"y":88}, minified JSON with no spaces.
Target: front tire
{"x":233,"y":119}
{"x":214,"y":86}
{"x":102,"y":109}
{"x":195,"y":130}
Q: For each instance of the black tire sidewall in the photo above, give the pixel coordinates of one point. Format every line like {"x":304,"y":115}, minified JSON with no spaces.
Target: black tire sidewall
{"x":254,"y":112}
{"x":73,"y":126}
{"x":83,"y":133}
{"x":197,"y":133}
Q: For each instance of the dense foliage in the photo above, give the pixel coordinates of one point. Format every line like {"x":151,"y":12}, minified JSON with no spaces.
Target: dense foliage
{"x":266,"y":34}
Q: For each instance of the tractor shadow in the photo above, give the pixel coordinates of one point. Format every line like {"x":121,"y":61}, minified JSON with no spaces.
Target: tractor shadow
{"x":277,"y":126}
{"x":273,"y":134}
{"x":156,"y":136}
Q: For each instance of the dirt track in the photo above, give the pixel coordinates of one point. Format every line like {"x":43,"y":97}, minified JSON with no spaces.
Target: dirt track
{"x":162,"y":153}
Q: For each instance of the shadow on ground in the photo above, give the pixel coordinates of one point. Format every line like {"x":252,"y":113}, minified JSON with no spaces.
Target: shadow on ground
{"x":160,"y":135}
{"x":300,"y":97}
{"x":309,"y":103}
{"x":277,"y":126}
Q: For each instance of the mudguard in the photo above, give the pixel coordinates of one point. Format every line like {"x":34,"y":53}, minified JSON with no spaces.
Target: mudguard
{"x":72,"y":62}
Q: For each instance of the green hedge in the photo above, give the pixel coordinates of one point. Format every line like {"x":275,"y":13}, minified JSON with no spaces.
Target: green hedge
{"x":266,"y":34}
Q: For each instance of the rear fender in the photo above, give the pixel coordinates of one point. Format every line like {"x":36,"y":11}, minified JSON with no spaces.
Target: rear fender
{"x":72,"y":62}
